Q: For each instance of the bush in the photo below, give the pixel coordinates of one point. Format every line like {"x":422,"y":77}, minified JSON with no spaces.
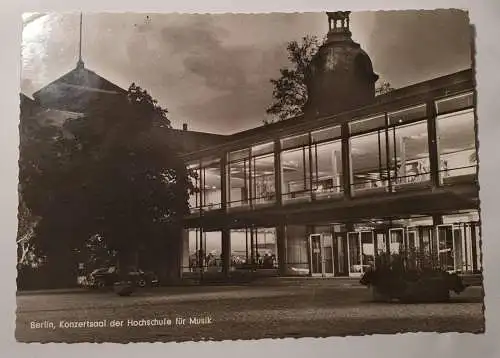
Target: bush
{"x":409,"y":277}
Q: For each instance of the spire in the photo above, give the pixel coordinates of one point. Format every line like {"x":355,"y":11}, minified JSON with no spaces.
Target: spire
{"x":80,"y":63}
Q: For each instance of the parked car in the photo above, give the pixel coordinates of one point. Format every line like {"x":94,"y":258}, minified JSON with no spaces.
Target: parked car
{"x":108,"y":276}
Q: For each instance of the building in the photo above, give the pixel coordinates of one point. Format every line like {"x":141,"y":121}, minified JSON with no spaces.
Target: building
{"x":355,"y":176}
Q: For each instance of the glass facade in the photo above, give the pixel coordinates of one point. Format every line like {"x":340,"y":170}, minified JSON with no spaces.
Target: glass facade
{"x":387,"y":152}
{"x":262,"y":174}
{"x":202,"y":251}
{"x":456,"y":139}
{"x":296,"y":168}
{"x":408,"y":147}
{"x":368,"y":148}
{"x":207,"y":185}
{"x":326,"y":153}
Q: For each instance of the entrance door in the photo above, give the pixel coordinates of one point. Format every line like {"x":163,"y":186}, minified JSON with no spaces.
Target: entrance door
{"x":354,"y":248}
{"x":316,"y":259}
{"x":361,"y":246}
{"x":446,"y":247}
{"x":396,"y":237}
{"x":342,"y":260}
{"x":328,"y":267}
{"x":321,"y":254}
{"x":380,"y":242}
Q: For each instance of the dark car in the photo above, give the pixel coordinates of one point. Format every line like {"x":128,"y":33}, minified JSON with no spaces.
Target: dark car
{"x":108,"y":276}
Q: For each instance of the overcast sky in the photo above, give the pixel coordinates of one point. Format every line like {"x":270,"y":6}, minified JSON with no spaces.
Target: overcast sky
{"x":213,"y":71}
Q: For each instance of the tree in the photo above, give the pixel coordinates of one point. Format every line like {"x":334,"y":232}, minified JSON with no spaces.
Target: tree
{"x":289,"y":90}
{"x":25,"y":237}
{"x":115,"y":178}
{"x":383,"y":88}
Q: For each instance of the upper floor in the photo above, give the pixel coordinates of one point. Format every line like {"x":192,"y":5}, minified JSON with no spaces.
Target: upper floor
{"x":415,"y":138}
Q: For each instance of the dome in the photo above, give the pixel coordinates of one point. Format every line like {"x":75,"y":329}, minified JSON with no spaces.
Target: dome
{"x":340,"y":76}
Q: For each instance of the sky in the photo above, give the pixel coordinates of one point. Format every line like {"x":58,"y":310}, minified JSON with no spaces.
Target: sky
{"x":213,"y":71}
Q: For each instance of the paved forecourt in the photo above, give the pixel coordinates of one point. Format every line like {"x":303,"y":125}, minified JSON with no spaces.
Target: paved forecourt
{"x":302,"y":309}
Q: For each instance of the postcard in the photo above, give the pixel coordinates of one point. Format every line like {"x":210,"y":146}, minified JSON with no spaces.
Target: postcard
{"x":190,"y":177}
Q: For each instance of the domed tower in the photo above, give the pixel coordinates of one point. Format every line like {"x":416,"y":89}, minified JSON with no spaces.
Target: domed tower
{"x":340,"y":76}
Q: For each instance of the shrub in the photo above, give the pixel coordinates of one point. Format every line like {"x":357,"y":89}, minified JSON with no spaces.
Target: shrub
{"x":411,"y":276}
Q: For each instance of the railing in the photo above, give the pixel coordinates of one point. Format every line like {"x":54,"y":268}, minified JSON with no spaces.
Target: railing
{"x":458,"y":174}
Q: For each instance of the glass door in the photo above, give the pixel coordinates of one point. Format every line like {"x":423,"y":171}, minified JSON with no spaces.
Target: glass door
{"x":367,"y":250}
{"x":321,"y":254}
{"x":381,"y":241}
{"x":316,"y":257}
{"x":412,"y":246}
{"x":341,"y":259}
{"x":327,"y":254}
{"x":412,"y":243}
{"x":354,"y":249}
{"x":445,"y":246}
{"x":396,"y":237}
{"x":458,"y":248}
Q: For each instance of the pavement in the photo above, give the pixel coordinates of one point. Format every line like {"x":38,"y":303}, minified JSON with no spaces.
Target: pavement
{"x":303,"y":308}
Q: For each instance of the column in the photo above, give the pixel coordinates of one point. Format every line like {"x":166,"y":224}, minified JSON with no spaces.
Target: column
{"x":346,"y":161}
{"x":281,"y":243}
{"x":309,"y":232}
{"x":474,"y":248}
{"x":226,"y":251}
{"x":223,"y":178}
{"x":388,"y":237}
{"x":278,"y":172}
{"x":185,"y":251}
{"x":433,"y":144}
{"x":434,"y":239}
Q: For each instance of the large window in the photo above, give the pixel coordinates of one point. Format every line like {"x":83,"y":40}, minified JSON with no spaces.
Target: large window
{"x":408,"y":147}
{"x":254,"y":246}
{"x":456,"y":138}
{"x":238,"y":174}
{"x":251,"y":176}
{"x":204,"y":250}
{"x":262,"y":174}
{"x":311,"y":165}
{"x":326,"y":156}
{"x":368,"y":149}
{"x":207,"y":184}
{"x":296,"y":169}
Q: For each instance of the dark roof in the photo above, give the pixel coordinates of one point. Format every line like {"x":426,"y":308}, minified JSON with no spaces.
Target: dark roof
{"x":76,"y":89}
{"x":83,"y":77}
{"x":190,"y":141}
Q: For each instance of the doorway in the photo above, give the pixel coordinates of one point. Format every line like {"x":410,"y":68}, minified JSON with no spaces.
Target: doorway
{"x":341,"y":255}
{"x":361,"y":248}
{"x":396,"y":236}
{"x":446,"y":247}
{"x":321,"y":255}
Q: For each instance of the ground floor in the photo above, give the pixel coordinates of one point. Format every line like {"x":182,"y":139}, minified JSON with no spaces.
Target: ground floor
{"x":336,"y":249}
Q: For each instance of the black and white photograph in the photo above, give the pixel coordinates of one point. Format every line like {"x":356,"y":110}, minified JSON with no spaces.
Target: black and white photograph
{"x":192,"y":177}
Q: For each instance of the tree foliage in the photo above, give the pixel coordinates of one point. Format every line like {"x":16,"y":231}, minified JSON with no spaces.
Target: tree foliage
{"x":109,"y":175}
{"x":289,"y":90}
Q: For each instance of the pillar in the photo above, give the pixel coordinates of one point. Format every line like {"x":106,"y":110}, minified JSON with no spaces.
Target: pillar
{"x":223,"y":184}
{"x":281,"y":244}
{"x":226,"y":251}
{"x":433,"y":144}
{"x":346,"y":161}
{"x":474,"y":248}
{"x":278,"y":172}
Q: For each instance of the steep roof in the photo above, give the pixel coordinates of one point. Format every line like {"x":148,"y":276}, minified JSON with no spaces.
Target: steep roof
{"x":76,"y":90}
